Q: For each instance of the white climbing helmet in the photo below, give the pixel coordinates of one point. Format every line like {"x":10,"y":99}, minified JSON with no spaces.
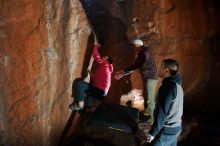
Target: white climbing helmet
{"x":137,"y":42}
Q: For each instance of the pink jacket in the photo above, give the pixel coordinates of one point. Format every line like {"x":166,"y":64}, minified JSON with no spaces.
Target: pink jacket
{"x":102,"y":76}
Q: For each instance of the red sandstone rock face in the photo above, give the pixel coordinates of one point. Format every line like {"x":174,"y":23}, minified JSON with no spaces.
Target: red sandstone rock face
{"x":42,"y":48}
{"x":182,"y":30}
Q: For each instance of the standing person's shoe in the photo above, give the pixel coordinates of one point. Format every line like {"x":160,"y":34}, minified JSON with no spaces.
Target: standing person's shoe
{"x":75,"y":106}
{"x":145,"y":123}
{"x":146,"y":120}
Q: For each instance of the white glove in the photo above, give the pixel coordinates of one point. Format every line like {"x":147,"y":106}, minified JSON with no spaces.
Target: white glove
{"x":149,"y":137}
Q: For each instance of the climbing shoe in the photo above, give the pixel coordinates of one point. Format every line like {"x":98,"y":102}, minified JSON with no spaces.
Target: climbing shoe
{"x":75,"y":106}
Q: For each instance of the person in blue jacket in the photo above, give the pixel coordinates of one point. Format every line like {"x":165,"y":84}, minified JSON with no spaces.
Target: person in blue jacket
{"x":169,"y":107}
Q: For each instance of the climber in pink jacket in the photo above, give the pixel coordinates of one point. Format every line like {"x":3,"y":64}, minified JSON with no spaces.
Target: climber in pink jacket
{"x":101,"y":79}
{"x":102,"y":76}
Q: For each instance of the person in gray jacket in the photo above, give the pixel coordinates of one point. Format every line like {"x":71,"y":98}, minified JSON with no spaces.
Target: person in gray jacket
{"x":169,"y":107}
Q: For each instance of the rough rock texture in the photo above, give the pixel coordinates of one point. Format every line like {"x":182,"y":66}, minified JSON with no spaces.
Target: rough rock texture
{"x":42,"y":49}
{"x":184,"y":30}
{"x":45,"y":44}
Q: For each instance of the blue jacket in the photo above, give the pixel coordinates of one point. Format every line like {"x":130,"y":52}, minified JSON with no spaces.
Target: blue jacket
{"x":169,"y":107}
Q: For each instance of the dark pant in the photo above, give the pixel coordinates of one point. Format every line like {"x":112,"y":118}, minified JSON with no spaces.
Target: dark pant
{"x":79,"y":89}
{"x":94,"y":92}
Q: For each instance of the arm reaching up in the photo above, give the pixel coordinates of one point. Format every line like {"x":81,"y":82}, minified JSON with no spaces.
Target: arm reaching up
{"x":96,"y":54}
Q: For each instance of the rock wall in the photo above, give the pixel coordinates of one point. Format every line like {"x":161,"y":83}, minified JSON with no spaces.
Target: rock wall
{"x":184,"y":30}
{"x":42,"y":48}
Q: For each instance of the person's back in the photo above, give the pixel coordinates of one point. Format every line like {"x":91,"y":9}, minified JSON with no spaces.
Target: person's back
{"x":148,"y":70}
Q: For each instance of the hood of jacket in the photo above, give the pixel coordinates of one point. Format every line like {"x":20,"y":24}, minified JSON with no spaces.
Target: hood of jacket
{"x":175,"y":78}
